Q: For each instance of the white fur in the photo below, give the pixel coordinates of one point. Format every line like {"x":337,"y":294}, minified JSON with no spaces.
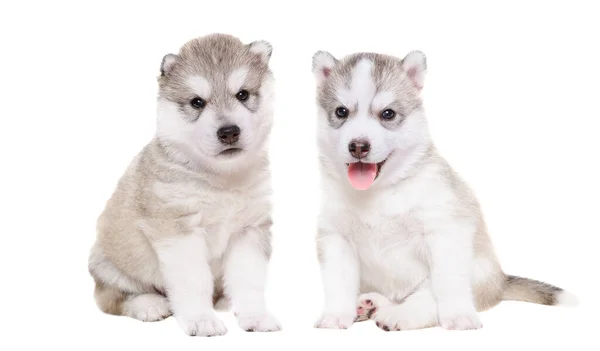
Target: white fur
{"x":567,"y":299}
{"x":323,"y":62}
{"x":196,"y":142}
{"x":226,"y":243}
{"x":407,"y":143}
{"x":189,"y":283}
{"x":169,"y":61}
{"x":409,"y":244}
{"x":263,"y":48}
{"x":415,"y":66}
{"x":236,"y":79}
{"x":450,"y":248}
{"x":339,"y":271}
{"x":245,"y":279}
{"x":188,"y":220}
{"x":382,"y":100}
{"x":361,"y":126}
{"x":147,"y":307}
{"x":363,"y":88}
{"x":200,"y":86}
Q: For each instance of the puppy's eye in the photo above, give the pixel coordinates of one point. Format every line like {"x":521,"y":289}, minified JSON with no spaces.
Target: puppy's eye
{"x":388,"y":114}
{"x":242,"y":95}
{"x":197,"y":103}
{"x":342,"y":112}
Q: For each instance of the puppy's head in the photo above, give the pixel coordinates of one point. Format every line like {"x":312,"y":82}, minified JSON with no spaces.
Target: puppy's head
{"x":370,"y":113}
{"x":215,"y":100}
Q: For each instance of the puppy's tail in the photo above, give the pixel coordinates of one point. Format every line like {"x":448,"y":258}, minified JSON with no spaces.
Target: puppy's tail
{"x":534,"y":291}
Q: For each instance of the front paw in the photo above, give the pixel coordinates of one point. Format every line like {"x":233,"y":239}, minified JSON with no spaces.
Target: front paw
{"x":204,"y":325}
{"x":335,"y":321}
{"x":460,"y":321}
{"x":264,"y":322}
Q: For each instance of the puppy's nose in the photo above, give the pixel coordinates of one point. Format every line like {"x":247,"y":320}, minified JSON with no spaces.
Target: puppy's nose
{"x":359,"y":148}
{"x":229,"y":134}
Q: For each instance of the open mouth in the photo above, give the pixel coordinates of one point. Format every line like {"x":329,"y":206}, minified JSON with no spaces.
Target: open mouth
{"x":362,"y":175}
{"x":231,"y":152}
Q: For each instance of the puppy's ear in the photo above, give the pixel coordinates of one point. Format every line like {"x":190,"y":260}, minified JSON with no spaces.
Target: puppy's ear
{"x":263,"y":48}
{"x":167,"y":64}
{"x":415,"y":66}
{"x":323,"y":63}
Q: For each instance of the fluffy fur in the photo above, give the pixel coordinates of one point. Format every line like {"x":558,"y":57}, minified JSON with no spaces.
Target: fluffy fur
{"x":188,"y":226}
{"x":413,"y":248}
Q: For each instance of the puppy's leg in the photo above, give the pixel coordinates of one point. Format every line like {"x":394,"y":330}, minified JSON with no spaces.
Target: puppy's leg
{"x":450,"y":261}
{"x":417,"y":311}
{"x":118,"y":294}
{"x":340,"y":276}
{"x":245,"y":279}
{"x":189,"y":284}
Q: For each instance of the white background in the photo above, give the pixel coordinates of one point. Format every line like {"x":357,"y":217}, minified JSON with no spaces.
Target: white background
{"x":511,"y":97}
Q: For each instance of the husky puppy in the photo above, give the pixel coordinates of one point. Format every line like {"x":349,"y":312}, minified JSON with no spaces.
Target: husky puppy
{"x":398,"y":228}
{"x":188,"y":226}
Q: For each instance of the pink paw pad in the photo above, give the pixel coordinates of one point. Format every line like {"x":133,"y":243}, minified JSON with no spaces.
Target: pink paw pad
{"x":365,"y":310}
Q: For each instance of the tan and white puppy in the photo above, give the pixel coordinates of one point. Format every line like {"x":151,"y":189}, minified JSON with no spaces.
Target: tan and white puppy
{"x":188,"y":226}
{"x":397,"y":224}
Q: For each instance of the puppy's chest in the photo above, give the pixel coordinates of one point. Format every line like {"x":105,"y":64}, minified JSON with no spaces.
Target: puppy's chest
{"x":384,"y":240}
{"x":224,"y":218}
{"x":387,"y":233}
{"x":217,"y":214}
{"x":391,"y":253}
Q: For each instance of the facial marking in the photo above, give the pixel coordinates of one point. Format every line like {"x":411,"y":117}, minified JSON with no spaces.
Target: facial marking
{"x":236,"y":79}
{"x":348,"y":99}
{"x":382,"y":100}
{"x":200,"y":86}
{"x":362,"y":87}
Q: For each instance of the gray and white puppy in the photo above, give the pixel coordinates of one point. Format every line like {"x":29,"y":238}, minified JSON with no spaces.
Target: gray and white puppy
{"x":188,"y":226}
{"x":399,"y":230}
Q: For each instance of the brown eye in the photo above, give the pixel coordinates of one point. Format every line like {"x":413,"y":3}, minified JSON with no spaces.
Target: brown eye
{"x":342,"y":112}
{"x":388,"y":114}
{"x":242,"y":95}
{"x":197,"y":103}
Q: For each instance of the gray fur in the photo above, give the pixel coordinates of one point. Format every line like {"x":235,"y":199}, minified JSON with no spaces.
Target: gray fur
{"x":212,"y":57}
{"x":388,"y":75}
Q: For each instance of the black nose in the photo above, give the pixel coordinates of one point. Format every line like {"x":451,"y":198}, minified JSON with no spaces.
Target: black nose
{"x":229,"y":134}
{"x":359,"y":148}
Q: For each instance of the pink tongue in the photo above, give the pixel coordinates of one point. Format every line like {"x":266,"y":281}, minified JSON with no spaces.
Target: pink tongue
{"x":362,"y":175}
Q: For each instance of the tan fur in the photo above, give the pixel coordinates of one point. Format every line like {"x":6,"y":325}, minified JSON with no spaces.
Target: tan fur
{"x":498,"y":286}
{"x":109,"y":299}
{"x":190,"y":208}
{"x":135,"y":217}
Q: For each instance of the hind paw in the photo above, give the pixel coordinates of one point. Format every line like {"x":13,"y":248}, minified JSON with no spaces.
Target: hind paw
{"x":368,"y":304}
{"x":147,"y":307}
{"x":467,"y":321}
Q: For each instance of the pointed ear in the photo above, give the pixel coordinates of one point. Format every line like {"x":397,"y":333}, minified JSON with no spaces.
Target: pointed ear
{"x":262,"y":48}
{"x":415,"y":66}
{"x":167,"y":64}
{"x":323,"y":63}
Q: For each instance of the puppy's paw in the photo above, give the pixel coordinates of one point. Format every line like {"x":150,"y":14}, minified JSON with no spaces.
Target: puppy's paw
{"x":405,"y":317}
{"x":147,"y":307}
{"x":204,"y":325}
{"x":264,"y":322}
{"x":335,"y":321}
{"x":367,"y":305}
{"x":389,"y":318}
{"x":462,"y":321}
